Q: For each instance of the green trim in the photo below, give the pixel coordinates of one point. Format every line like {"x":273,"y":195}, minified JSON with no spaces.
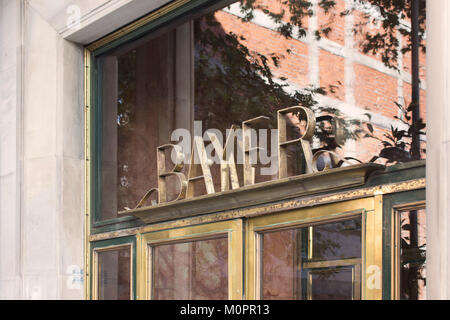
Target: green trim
{"x":96,"y":159}
{"x":114,"y":242}
{"x":390,"y":201}
{"x":116,"y":225}
{"x":96,"y":142}
{"x":194,"y":6}
{"x":398,"y":173}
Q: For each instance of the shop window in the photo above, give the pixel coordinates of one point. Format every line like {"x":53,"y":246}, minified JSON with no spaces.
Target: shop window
{"x":145,"y":96}
{"x":237,"y":64}
{"x":209,"y":71}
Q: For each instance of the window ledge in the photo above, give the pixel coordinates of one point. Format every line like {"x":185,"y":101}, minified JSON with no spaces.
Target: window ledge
{"x":261,"y":193}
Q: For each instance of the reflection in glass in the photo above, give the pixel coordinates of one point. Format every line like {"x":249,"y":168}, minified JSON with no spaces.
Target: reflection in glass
{"x":313,"y":262}
{"x":331,"y":284}
{"x":281,"y":255}
{"x":144,"y":98}
{"x":413,"y":255}
{"x":337,"y":240}
{"x":238,"y":61}
{"x":114,"y":274}
{"x":191,"y":271}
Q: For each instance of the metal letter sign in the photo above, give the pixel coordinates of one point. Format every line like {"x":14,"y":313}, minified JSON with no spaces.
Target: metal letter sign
{"x":199,"y":166}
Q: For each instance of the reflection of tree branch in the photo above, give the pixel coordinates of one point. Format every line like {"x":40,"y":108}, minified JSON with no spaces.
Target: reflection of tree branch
{"x":396,"y":143}
{"x":413,"y":257}
{"x":384,"y":41}
{"x":329,"y":239}
{"x":234,"y":83}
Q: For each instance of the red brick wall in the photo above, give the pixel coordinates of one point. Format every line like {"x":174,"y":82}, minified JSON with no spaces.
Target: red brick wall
{"x":374,"y":87}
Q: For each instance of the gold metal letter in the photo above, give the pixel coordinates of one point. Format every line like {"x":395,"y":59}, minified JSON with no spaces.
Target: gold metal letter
{"x":307,"y":133}
{"x":198,"y":149}
{"x":227,"y":164}
{"x":176,"y":171}
{"x":250,"y":148}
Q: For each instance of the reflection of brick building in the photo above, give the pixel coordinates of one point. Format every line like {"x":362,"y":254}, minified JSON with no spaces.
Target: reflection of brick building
{"x":361,"y":83}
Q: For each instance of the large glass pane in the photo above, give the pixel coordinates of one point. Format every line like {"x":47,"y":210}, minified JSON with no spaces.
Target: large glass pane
{"x":114,"y":274}
{"x":138,"y":108}
{"x":244,"y":59}
{"x":191,"y":271}
{"x":313,"y":262}
{"x":413,"y":255}
{"x":265,"y":55}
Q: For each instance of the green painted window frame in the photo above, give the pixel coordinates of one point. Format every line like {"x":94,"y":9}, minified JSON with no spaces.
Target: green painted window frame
{"x":389,"y":203}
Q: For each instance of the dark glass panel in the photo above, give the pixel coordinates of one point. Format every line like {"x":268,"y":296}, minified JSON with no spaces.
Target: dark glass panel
{"x":332,"y":284}
{"x":280,"y":258}
{"x":137,"y":117}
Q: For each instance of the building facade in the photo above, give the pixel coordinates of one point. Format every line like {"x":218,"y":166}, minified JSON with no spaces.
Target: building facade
{"x":89,"y":87}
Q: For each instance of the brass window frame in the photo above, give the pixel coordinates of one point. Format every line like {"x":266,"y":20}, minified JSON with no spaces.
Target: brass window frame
{"x":316,"y":265}
{"x":354,"y":264}
{"x":369,"y":209}
{"x":232,"y":229}
{"x":96,"y":266}
{"x":396,"y":243}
